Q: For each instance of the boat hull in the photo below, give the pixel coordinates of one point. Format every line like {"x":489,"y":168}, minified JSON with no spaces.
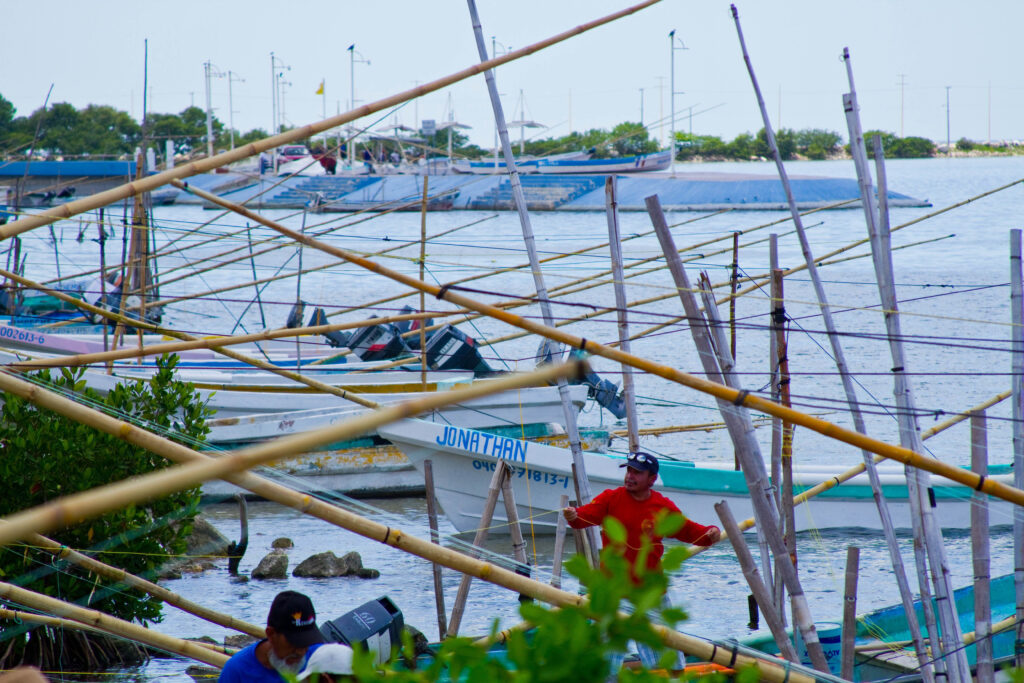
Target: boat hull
{"x":464,"y":460}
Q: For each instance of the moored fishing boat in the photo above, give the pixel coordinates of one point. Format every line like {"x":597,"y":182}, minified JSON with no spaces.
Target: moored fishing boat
{"x":657,"y":161}
{"x":464,"y":460}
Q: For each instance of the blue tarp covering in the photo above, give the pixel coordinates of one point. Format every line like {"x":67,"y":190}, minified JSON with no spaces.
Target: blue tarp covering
{"x":68,"y":169}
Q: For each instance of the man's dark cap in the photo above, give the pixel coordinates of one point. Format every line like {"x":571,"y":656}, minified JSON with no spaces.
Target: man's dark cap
{"x":292,"y":615}
{"x":645,"y":462}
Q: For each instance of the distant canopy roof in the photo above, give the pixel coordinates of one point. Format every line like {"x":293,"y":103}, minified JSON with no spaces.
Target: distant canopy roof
{"x":445,"y":125}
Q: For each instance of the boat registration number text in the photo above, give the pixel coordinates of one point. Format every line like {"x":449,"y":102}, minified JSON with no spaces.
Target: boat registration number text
{"x":523,"y":473}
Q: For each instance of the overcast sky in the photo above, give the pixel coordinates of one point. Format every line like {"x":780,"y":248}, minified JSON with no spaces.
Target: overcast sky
{"x":93,"y":53}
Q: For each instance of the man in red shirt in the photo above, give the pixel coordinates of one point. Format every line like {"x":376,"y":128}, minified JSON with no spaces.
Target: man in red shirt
{"x":636,"y":505}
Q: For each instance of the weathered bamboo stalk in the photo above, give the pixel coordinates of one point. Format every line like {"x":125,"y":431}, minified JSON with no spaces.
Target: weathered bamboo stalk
{"x":786,"y":483}
{"x":556,"y":563}
{"x":757,"y":586}
{"x":859,"y":440}
{"x":512,"y":515}
{"x":840,"y":360}
{"x":849,"y":613}
{"x":296,"y":134}
{"x":62,"y":552}
{"x":741,"y":431}
{"x":568,"y":411}
{"x":910,"y":435}
{"x":442,"y":617}
{"x":111,"y":625}
{"x":486,"y":515}
{"x":423,"y":267}
{"x":88,"y":504}
{"x":980,"y":555}
{"x":622,"y":313}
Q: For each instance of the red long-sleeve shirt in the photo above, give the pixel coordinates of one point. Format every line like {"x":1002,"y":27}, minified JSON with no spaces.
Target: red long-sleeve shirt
{"x":638,"y":516}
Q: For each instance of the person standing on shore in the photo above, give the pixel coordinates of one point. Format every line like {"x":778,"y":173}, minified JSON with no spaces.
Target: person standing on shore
{"x":291,"y":631}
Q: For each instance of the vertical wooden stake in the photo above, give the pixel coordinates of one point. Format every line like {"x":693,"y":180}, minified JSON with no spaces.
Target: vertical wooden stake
{"x":733,"y":286}
{"x":779,"y":329}
{"x":980,"y":554}
{"x":518,"y":544}
{"x":103,"y":281}
{"x":423,"y":302}
{"x":428,"y":480}
{"x":849,"y":612}
{"x":481,"y":535}
{"x":757,"y":587}
{"x":556,"y":564}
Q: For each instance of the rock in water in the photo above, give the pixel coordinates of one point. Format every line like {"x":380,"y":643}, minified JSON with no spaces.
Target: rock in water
{"x":273,"y":566}
{"x":352,"y":562}
{"x":320,"y":566}
{"x":283,"y":543}
{"x":206,"y":540}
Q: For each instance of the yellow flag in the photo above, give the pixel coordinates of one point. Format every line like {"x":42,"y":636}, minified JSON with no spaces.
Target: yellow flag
{"x":320,"y":90}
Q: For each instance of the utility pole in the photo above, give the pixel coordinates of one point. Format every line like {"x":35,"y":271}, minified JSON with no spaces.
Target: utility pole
{"x":352,"y":92}
{"x":949,"y":150}
{"x":209,"y":110}
{"x":661,"y":107}
{"x":641,"y":106}
{"x":902,"y":84}
{"x":673,"y":93}
{"x":233,"y":77}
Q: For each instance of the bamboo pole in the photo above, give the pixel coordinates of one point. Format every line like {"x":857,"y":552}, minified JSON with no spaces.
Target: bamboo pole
{"x":757,"y":586}
{"x":296,"y":134}
{"x":1017,"y":376}
{"x":62,"y":552}
{"x":556,"y":563}
{"x":111,"y":625}
{"x":849,"y":613}
{"x":512,"y":515}
{"x":889,"y":533}
{"x":741,"y":431}
{"x":779,"y":328}
{"x":728,"y":394}
{"x":540,"y":288}
{"x":428,"y":480}
{"x":776,"y":338}
{"x":85,"y":505}
{"x":733,"y":283}
{"x":423,"y":266}
{"x":615,"y":249}
{"x":910,"y":434}
{"x":500,"y":472}
{"x":980,"y":555}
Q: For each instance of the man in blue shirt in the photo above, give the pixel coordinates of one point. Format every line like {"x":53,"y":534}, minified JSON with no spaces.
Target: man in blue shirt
{"x":291,"y":631}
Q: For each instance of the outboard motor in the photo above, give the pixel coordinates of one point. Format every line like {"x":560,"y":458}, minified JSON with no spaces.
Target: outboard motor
{"x":451,"y":349}
{"x":336,"y":339}
{"x":375,"y":626}
{"x":295,"y":315}
{"x":413,"y":340}
{"x":604,"y":391}
{"x":377,"y":342}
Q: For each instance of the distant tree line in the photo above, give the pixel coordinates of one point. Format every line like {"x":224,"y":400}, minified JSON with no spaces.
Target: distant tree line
{"x":105,"y":132}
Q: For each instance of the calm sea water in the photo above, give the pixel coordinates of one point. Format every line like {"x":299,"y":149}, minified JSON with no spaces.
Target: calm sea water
{"x":952,"y":282}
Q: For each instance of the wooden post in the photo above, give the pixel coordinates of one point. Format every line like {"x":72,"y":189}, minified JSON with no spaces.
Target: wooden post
{"x":1017,"y":377}
{"x":733,"y":286}
{"x":849,"y":612}
{"x":741,"y":431}
{"x":252,"y":265}
{"x":980,"y":554}
{"x":423,"y":296}
{"x":779,"y":331}
{"x":518,"y":543}
{"x":103,"y":279}
{"x":621,"y":308}
{"x":582,"y":540}
{"x":556,"y":563}
{"x":481,"y":536}
{"x":428,"y":480}
{"x":757,"y":587}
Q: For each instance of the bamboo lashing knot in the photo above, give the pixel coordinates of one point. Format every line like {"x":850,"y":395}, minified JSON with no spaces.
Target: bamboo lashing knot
{"x":583,"y":343}
{"x":981,"y":482}
{"x":387,"y":535}
{"x":898,"y":368}
{"x":443,"y":291}
{"x":741,"y":397}
{"x":485,"y":570}
{"x":779,"y":315}
{"x":307,"y":503}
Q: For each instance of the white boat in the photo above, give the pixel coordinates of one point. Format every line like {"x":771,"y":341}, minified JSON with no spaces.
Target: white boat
{"x":464,"y":460}
{"x":658,"y":161}
{"x":523,"y":164}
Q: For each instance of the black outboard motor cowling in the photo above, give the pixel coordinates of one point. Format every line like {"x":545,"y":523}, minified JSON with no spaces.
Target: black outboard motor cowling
{"x":451,"y":349}
{"x":377,"y":342}
{"x":336,"y":339}
{"x":403,"y":326}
